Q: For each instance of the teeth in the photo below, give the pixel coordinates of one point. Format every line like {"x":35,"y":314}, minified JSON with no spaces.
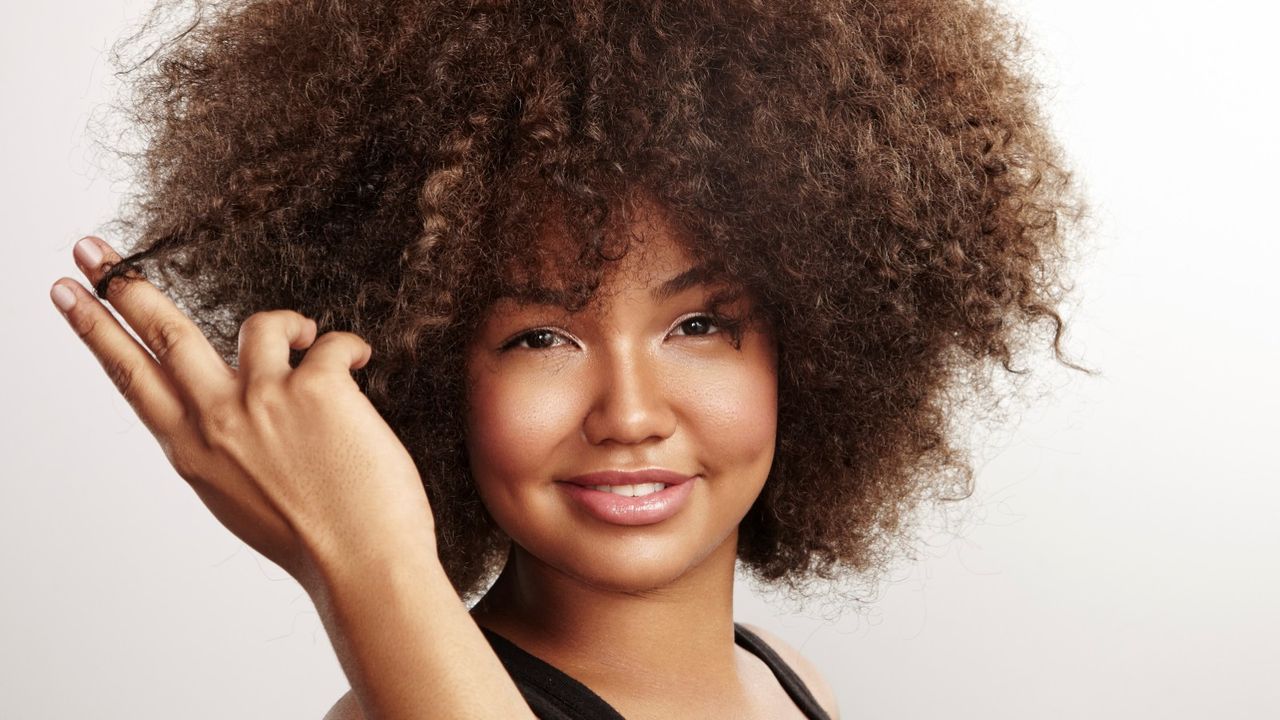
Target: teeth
{"x":630,"y":490}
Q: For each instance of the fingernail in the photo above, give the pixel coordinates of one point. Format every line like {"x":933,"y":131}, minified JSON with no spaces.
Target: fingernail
{"x":88,"y":253}
{"x":63,"y":297}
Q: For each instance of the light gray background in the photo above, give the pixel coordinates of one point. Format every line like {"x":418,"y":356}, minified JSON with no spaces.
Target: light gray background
{"x":1120,"y":559}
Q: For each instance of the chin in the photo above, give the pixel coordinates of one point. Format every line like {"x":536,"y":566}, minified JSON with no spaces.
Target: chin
{"x":630,"y":560}
{"x":628,"y":574}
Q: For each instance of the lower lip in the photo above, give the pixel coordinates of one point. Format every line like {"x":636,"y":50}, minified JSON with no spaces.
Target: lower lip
{"x":623,"y":510}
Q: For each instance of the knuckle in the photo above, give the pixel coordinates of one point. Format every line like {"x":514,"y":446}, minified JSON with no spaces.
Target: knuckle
{"x":265,"y":400}
{"x":291,"y":315}
{"x":265,"y":318}
{"x":190,"y":461}
{"x":311,"y":384}
{"x":122,"y":287}
{"x":118,"y":287}
{"x":346,"y":338}
{"x":121,"y":375}
{"x":220,"y":424}
{"x":254,"y":324}
{"x":165,"y":336}
{"x":182,"y":462}
{"x":261,"y":323}
{"x":85,"y":324}
{"x":250,"y":324}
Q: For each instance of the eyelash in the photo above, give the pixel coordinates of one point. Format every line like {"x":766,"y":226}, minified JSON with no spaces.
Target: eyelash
{"x":720,"y":323}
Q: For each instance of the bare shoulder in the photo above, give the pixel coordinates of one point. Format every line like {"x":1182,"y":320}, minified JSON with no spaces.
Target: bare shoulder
{"x":345,"y":709}
{"x":807,"y":671}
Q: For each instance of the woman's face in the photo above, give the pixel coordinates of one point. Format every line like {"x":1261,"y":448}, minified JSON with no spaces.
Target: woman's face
{"x":643,"y":381}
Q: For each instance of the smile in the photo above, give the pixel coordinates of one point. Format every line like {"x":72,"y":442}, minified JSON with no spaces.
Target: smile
{"x":639,"y":504}
{"x":630,"y":490}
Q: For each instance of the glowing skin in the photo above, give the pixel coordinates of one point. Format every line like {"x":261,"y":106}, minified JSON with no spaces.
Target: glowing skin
{"x":639,"y":382}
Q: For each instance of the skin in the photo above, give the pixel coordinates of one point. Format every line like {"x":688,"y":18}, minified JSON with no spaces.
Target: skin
{"x":300,"y":466}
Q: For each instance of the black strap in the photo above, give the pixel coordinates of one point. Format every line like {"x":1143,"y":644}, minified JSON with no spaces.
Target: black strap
{"x":551,"y":694}
{"x":790,"y":681}
{"x":554,"y":695}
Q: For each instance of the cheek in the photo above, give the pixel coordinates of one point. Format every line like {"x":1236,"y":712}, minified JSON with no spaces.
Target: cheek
{"x":733,"y":414}
{"x":742,"y":414}
{"x":515,"y":423}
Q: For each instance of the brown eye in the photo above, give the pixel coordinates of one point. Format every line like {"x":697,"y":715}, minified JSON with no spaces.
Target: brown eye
{"x":539,"y":339}
{"x":699,"y":325}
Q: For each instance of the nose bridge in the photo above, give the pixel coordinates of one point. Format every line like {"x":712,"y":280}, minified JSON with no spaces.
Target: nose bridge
{"x":630,"y":403}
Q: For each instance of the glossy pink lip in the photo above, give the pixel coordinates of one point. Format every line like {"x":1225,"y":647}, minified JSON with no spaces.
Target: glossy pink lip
{"x":622,"y":510}
{"x":633,"y":477}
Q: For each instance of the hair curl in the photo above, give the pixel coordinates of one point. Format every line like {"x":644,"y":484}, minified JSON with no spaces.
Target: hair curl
{"x":876,"y":174}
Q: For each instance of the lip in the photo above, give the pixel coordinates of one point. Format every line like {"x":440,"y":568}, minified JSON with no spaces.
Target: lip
{"x":630,"y":477}
{"x":621,"y":510}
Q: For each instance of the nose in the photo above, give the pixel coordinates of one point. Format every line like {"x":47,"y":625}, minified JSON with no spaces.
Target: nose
{"x":630,"y":402}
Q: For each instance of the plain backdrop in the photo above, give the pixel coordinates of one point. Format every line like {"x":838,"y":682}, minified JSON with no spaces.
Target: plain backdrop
{"x":1120,"y":558}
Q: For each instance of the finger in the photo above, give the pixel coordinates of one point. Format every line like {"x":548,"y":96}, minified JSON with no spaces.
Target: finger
{"x":336,"y":351}
{"x":129,"y":366}
{"x":176,"y":342}
{"x":265,"y":340}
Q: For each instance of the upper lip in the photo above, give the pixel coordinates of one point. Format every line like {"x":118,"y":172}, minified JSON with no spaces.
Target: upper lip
{"x":632,"y":477}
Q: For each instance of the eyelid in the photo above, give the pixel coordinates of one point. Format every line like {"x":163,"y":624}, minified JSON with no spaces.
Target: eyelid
{"x":718,"y":321}
{"x":513,"y":342}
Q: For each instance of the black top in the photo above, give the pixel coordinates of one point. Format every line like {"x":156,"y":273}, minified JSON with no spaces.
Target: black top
{"x":554,"y":695}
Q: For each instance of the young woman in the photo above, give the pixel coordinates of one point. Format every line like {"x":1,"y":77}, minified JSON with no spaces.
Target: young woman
{"x":570,"y":309}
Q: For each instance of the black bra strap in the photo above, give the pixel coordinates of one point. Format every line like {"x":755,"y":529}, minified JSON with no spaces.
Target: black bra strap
{"x":790,"y":681}
{"x":555,"y":695}
{"x":551,"y":693}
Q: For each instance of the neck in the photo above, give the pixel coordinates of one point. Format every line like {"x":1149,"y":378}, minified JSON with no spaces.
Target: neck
{"x":663,"y":634}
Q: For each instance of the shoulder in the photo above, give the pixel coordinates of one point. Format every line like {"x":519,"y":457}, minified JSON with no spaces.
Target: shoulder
{"x":807,"y":671}
{"x":345,"y":709}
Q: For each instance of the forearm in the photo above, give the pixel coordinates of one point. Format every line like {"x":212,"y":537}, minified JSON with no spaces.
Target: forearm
{"x":407,"y":643}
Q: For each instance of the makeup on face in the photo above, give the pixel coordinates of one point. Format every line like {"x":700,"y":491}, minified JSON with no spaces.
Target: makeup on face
{"x":641,"y":497}
{"x":641,"y":427}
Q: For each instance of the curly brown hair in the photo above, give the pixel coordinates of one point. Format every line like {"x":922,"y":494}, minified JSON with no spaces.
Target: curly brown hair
{"x":877,"y":175}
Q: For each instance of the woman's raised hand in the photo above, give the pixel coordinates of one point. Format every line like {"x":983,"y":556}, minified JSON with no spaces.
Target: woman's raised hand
{"x":296,"y":462}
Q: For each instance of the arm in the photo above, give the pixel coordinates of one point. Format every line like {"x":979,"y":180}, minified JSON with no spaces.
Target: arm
{"x":407,"y":643}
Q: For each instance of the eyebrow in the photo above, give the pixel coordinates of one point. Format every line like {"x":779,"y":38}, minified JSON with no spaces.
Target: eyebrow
{"x":696,"y":275}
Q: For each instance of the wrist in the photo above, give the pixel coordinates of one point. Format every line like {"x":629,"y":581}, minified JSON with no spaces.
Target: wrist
{"x":337,"y":564}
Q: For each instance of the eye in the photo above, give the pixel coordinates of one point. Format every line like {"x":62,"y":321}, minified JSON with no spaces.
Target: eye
{"x":538,"y":339}
{"x":700,"y":324}
{"x":546,"y":338}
